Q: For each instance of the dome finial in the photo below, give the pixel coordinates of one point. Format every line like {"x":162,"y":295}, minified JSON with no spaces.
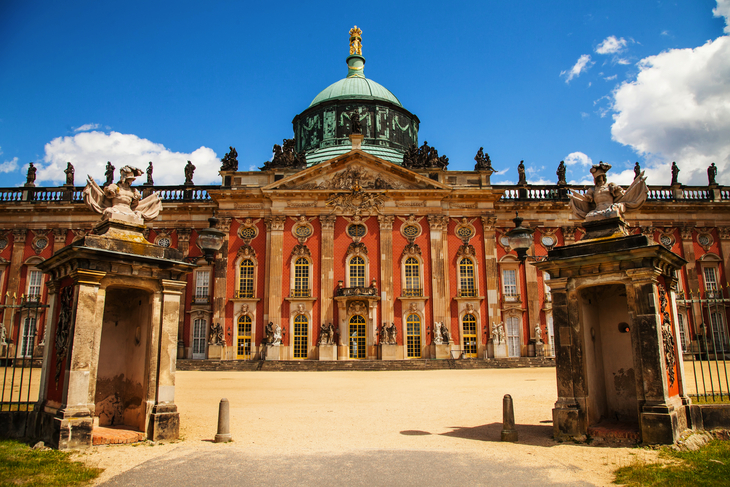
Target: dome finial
{"x":356,"y":41}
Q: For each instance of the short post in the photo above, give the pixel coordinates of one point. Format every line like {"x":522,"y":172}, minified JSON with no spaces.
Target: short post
{"x":224,"y":426}
{"x":509,"y":433}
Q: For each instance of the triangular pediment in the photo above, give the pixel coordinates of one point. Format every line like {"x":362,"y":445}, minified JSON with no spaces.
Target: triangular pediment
{"x":356,"y":169}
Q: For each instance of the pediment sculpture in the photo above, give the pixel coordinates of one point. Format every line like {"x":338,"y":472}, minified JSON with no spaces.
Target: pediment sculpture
{"x":349,"y":177}
{"x":121,"y":201}
{"x":607,"y":200}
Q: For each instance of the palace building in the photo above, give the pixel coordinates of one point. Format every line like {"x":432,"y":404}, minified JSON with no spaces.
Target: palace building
{"x":353,"y":223}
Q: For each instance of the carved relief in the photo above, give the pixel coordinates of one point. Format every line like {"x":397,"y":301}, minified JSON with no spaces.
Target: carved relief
{"x":356,"y":202}
{"x":411,"y":250}
{"x":568,"y":235}
{"x":183,"y":234}
{"x":40,"y":240}
{"x":275,"y":223}
{"x":465,"y":230}
{"x":386,"y":222}
{"x":327,"y":222}
{"x":686,"y":232}
{"x":466,"y":250}
{"x":352,"y":177}
{"x":357,"y":308}
{"x":489,"y":223}
{"x":411,"y":227}
{"x":357,"y":248}
{"x":667,"y":337}
{"x":247,"y":231}
{"x":437,"y":222}
{"x":723,"y":233}
{"x":301,"y":250}
{"x":19,"y":235}
{"x":63,"y":330}
{"x":302,"y":228}
{"x":59,"y":235}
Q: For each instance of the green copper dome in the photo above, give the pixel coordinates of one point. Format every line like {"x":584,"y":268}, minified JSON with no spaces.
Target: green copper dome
{"x":355,"y":86}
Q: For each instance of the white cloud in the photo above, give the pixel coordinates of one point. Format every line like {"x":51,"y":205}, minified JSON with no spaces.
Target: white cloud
{"x":90,"y":151}
{"x":583,"y":63}
{"x":611,"y":78}
{"x":9,"y":166}
{"x":611,"y":45}
{"x":723,"y":10}
{"x":678,"y":109}
{"x":578,"y":158}
{"x":623,"y":61}
{"x":87,"y":127}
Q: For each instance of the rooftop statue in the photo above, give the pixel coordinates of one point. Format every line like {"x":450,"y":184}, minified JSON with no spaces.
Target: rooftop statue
{"x":607,"y":200}
{"x":355,"y":41}
{"x":121,"y":200}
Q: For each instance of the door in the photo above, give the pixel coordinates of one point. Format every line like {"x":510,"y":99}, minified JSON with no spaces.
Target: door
{"x":513,"y":336}
{"x":413,"y":336}
{"x":200,"y":330}
{"x":243,"y":344}
{"x":357,"y":337}
{"x":470,"y":335}
{"x":301,"y":329}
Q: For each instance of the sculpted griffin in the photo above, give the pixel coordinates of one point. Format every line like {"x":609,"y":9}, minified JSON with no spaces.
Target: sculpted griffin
{"x":121,"y":200}
{"x":607,"y":200}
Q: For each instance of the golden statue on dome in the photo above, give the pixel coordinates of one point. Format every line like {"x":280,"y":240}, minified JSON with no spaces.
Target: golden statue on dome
{"x":355,"y":41}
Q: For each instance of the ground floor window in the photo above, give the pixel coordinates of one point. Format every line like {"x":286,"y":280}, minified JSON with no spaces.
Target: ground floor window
{"x":413,"y":336}
{"x":719,"y":336}
{"x":243,"y":345}
{"x":470,"y":335}
{"x":200,"y":328}
{"x":301,"y":328}
{"x":513,"y":336}
{"x":28,"y":337}
{"x":357,"y":337}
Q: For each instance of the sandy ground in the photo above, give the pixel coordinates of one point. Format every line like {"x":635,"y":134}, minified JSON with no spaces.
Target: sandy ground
{"x":288,"y":413}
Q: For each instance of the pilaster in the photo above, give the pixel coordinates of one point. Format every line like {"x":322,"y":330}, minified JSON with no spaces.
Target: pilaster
{"x":490,"y":268}
{"x":275,"y":227}
{"x":439,"y":290}
{"x":327,"y":265}
{"x":386,"y":267}
{"x":220,"y":273}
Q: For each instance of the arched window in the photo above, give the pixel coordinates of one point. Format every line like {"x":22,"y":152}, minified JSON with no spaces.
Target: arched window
{"x":301,"y":332}
{"x":357,"y":272}
{"x":357,"y":337}
{"x":245,"y":280}
{"x":413,"y":336}
{"x":301,"y":278}
{"x":243,"y":347}
{"x":412,"y":278}
{"x":470,"y":335}
{"x":467,"y":285}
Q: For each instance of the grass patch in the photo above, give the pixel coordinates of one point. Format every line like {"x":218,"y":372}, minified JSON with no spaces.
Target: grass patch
{"x":708,"y":466}
{"x":709,"y":399}
{"x":22,"y":466}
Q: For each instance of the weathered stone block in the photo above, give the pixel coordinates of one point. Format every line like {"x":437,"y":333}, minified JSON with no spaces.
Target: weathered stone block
{"x":442,"y":351}
{"x":216,"y":352}
{"x":164,"y":423}
{"x":272,"y":352}
{"x":389,"y":352}
{"x":568,"y":423}
{"x":500,"y":350}
{"x":327,"y":352}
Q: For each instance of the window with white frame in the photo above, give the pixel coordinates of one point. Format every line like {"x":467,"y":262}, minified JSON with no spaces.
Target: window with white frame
{"x":202,"y":286}
{"x":28,"y":337}
{"x":512,"y":328}
{"x":200,"y":330}
{"x":683,"y":335}
{"x":35,"y":282}
{"x":509,"y":282}
{"x":710,"y":275}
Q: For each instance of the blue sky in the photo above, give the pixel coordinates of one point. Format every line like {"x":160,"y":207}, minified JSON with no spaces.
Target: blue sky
{"x":612,"y":80}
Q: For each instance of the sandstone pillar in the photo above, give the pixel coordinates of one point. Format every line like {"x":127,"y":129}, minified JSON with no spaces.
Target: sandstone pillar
{"x":275,"y":260}
{"x":494,"y":312}
{"x":439,"y":287}
{"x":220,"y":273}
{"x":327,"y":265}
{"x":386,"y":269}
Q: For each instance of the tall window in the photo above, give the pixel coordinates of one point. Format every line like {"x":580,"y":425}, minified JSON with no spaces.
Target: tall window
{"x":470,"y":335}
{"x":413,"y":336}
{"x":357,"y":337}
{"x":357,"y":272}
{"x":301,"y":328}
{"x":466,"y":278}
{"x":509,"y":282}
{"x":35,"y":279}
{"x":200,"y":326}
{"x":243,"y":347}
{"x":513,"y":336}
{"x":710,"y":274}
{"x":412,"y":284}
{"x":682,"y":332}
{"x":301,"y":278}
{"x":245,"y":280}
{"x":202,"y":286}
{"x":28,"y":338}
{"x":719,"y":335}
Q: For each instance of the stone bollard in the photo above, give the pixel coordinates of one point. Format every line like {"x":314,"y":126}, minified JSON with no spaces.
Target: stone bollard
{"x":509,"y":433}
{"x":224,"y":423}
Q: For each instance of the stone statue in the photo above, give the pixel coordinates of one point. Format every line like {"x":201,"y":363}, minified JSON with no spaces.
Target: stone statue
{"x":269,"y":330}
{"x":216,"y":334}
{"x":189,"y":170}
{"x":150,"y":181}
{"x":445,"y":333}
{"x":607,"y":200}
{"x":675,"y":173}
{"x":484,"y":163}
{"x":392,"y":334}
{"x":355,"y":41}
{"x":637,"y":170}
{"x":538,"y":333}
{"x":521,"y":173}
{"x":109,"y":174}
{"x":438,"y":338}
{"x":30,"y":177}
{"x":561,"y":173}
{"x":277,"y":335}
{"x":121,"y":201}
{"x":327,"y":334}
{"x":69,"y":171}
{"x":230,"y":160}
{"x":712,"y":174}
{"x":355,"y":123}
{"x":498,"y":333}
{"x":286,"y":155}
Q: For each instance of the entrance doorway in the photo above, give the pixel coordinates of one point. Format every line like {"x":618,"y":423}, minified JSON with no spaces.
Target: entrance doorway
{"x":357,"y":337}
{"x":243,"y":345}
{"x":413,"y":336}
{"x":200,"y":330}
{"x":470,"y":335}
{"x":301,"y":328}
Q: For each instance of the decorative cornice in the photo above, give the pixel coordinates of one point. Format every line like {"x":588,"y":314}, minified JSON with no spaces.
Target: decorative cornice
{"x":59,"y":235}
{"x":183,"y":234}
{"x":686,"y":232}
{"x":224,"y":224}
{"x":568,"y":234}
{"x":723,"y":233}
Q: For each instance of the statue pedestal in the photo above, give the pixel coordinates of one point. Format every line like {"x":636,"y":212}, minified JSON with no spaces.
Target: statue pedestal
{"x":216,"y":352}
{"x":440,"y":351}
{"x":500,"y":350}
{"x":388,"y":352}
{"x":327,"y":353}
{"x":272,"y":352}
{"x":539,"y":349}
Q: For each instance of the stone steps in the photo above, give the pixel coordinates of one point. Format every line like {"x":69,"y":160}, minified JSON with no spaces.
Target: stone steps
{"x":373,"y":365}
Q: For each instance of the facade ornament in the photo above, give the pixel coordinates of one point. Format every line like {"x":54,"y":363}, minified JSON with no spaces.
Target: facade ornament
{"x":357,"y":248}
{"x":357,"y":308}
{"x":538,"y":334}
{"x":388,"y":334}
{"x":245,"y":251}
{"x":443,"y":331}
{"x":436,"y":222}
{"x":327,"y":334}
{"x":30,"y":176}
{"x":244,"y":309}
{"x":723,"y":233}
{"x":216,"y":334}
{"x":40,"y":241}
{"x":667,"y":338}
{"x":356,"y":202}
{"x":59,"y":235}
{"x":498,"y":333}
{"x":561,"y":174}
{"x":675,"y":174}
{"x":120,"y":200}
{"x":79,"y":233}
{"x":466,"y":250}
{"x":63,"y":330}
{"x":372,"y":290}
{"x":411,"y":250}
{"x":348,"y":178}
{"x":275,"y":223}
{"x":327,"y":222}
{"x":183,"y":234}
{"x":438,"y":338}
{"x":712,"y":175}
{"x":230,"y":160}
{"x":686,"y":232}
{"x":302,"y":228}
{"x":356,"y":41}
{"x":69,"y":172}
{"x":483,"y":162}
{"x":425,"y":157}
{"x":386,"y":222}
{"x":607,"y":200}
{"x":285,"y":156}
{"x":489,"y":223}
{"x":301,"y":250}
{"x":413,"y":307}
{"x":189,"y":171}
{"x":521,"y":174}
{"x":150,"y":169}
{"x":19,"y":235}
{"x":568,"y":234}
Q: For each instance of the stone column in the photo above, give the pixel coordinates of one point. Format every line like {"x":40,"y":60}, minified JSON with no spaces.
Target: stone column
{"x":220,"y":275}
{"x":533,"y":300}
{"x":438,"y":261}
{"x":724,"y":234}
{"x":183,"y":245}
{"x":327,"y":265}
{"x":275,"y":259}
{"x":446,"y":283}
{"x":386,"y":270}
{"x":494,"y":312}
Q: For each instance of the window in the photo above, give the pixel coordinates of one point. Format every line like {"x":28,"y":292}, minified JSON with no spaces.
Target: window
{"x":202,"y":287}
{"x":301,"y":329}
{"x":243,"y":347}
{"x":412,"y":281}
{"x":413,"y":336}
{"x":357,"y":337}
{"x":35,"y":280}
{"x":28,"y":337}
{"x":467,"y":286}
{"x":513,"y":336}
{"x":301,"y":278}
{"x":357,"y":272}
{"x":200,"y":328}
{"x":245,"y":280}
{"x":682,"y":332}
{"x":719,"y":336}
{"x":470,"y":335}
{"x":509,"y":282}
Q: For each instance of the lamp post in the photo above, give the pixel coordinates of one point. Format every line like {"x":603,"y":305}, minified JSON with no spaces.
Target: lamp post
{"x":211,"y":240}
{"x":520,"y":238}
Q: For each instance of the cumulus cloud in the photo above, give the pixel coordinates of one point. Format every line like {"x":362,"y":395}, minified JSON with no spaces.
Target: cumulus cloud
{"x":723,"y":10}
{"x":678,"y":109}
{"x":90,"y":151}
{"x":9,"y":166}
{"x":611,"y":45}
{"x":578,"y":158}
{"x":582,"y":65}
{"x":87,"y":127}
